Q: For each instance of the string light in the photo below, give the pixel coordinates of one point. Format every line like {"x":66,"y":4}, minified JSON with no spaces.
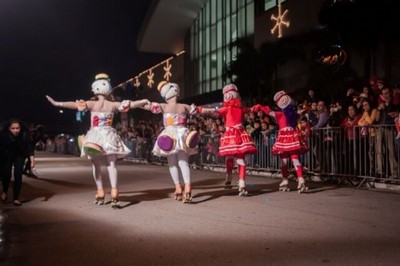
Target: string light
{"x":150,"y":71}
{"x":280,"y":21}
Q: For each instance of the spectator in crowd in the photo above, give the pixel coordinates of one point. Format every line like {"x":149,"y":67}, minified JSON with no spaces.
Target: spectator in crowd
{"x":397,"y":121}
{"x":351,"y":97}
{"x":373,"y":85}
{"x":349,"y":124}
{"x":102,"y":143}
{"x":385,"y":134}
{"x":212,"y":151}
{"x":312,"y":113}
{"x":369,"y":118}
{"x":318,"y":135}
{"x":311,"y":97}
{"x":16,"y":146}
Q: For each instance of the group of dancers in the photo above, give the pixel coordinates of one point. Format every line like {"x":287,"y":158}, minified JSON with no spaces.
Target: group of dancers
{"x":102,"y":144}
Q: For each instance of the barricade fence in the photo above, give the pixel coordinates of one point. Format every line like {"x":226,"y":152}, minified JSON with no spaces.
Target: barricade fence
{"x":360,"y":152}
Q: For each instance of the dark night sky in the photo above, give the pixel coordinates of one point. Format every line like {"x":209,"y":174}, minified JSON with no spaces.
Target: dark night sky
{"x":56,"y":47}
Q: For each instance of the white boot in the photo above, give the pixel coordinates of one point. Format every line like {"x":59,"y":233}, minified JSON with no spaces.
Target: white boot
{"x":301,"y":187}
{"x":242,"y":187}
{"x":283,"y":186}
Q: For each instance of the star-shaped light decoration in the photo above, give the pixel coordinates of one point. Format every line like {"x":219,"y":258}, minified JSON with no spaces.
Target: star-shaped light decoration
{"x":150,"y":77}
{"x":137,"y":82}
{"x":280,"y":21}
{"x":167,"y":70}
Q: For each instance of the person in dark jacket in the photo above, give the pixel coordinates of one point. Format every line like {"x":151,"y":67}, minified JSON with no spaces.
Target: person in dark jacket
{"x":15,"y":147}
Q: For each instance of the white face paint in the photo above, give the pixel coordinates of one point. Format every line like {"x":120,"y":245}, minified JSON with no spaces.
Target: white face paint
{"x":101,"y":86}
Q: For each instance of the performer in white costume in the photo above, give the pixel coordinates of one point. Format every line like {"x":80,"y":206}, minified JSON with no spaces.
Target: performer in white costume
{"x":102,"y":143}
{"x":175,"y":142}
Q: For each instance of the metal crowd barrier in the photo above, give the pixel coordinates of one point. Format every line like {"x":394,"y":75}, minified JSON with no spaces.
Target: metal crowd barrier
{"x":365,"y":154}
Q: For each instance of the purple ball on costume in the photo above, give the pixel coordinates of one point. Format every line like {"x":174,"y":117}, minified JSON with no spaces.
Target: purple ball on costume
{"x":166,"y":143}
{"x":192,"y":139}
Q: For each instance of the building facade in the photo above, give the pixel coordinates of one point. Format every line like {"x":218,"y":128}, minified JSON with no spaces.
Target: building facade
{"x":205,"y":30}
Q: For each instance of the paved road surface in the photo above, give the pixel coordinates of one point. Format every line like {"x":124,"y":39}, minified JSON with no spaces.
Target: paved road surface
{"x":59,"y":225}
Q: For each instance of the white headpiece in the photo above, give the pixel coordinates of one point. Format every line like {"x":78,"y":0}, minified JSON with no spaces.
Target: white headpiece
{"x":169,"y":90}
{"x":102,"y":84}
{"x":282,"y":99}
{"x":230,"y":91}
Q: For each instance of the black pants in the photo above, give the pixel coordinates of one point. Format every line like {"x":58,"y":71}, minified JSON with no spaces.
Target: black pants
{"x":8,"y":163}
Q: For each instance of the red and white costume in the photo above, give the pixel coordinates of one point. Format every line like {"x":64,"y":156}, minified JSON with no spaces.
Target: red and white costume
{"x":289,"y":142}
{"x":235,"y":142}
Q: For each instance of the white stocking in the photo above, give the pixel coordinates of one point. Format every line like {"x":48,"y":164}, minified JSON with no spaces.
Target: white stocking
{"x":112,"y":174}
{"x":184,"y":166}
{"x":173,"y":168}
{"x":96,"y":167}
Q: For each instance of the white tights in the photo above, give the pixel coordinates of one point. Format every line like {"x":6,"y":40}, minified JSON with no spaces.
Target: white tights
{"x":112,"y":172}
{"x":180,"y":159}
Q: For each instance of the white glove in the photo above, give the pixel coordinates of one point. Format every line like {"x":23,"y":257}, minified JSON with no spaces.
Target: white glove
{"x":124,"y":107}
{"x":193,"y":109}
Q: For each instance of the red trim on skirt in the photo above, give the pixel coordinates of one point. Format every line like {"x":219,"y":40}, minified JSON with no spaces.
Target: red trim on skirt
{"x":289,"y":142}
{"x":236,"y":141}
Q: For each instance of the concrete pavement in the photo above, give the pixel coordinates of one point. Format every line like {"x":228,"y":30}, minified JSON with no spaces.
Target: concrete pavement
{"x":59,"y":225}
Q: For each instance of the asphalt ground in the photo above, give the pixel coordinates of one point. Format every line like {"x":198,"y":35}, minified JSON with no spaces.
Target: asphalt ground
{"x":58,"y":224}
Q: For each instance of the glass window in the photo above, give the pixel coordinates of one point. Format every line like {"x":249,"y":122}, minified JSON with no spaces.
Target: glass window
{"x":271,"y":3}
{"x":218,"y":24}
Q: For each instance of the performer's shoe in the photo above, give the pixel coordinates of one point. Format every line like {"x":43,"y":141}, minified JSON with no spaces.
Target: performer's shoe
{"x":17,"y":203}
{"x":114,"y":199}
{"x":115,"y":203}
{"x":178,"y":196}
{"x":283,"y":186}
{"x":301,"y":187}
{"x":187,"y":196}
{"x":99,"y":197}
{"x":228,"y":181}
{"x":178,"y":192}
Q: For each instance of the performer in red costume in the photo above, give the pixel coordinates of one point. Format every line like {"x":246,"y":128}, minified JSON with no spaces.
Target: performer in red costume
{"x":289,"y":143}
{"x":235,"y":142}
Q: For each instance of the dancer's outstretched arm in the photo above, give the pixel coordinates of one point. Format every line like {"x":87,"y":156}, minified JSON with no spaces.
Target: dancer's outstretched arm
{"x":69,"y":105}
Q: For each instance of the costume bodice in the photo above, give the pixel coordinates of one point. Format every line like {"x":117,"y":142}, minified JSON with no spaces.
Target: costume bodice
{"x":174,"y":119}
{"x":101,"y":119}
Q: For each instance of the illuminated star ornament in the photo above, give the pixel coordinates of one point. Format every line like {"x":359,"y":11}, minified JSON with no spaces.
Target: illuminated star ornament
{"x":150,"y":77}
{"x":137,"y":82}
{"x":167,"y":70}
{"x":280,"y":21}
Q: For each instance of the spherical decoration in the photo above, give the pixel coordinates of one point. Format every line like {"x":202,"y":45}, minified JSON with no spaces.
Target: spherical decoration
{"x":192,"y":139}
{"x":282,"y":99}
{"x":166,"y":143}
{"x":230,"y":92}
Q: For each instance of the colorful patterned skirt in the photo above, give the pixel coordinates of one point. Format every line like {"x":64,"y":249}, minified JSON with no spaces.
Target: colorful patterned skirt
{"x":173,"y":139}
{"x":288,"y":142}
{"x":236,"y":141}
{"x":103,"y":141}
